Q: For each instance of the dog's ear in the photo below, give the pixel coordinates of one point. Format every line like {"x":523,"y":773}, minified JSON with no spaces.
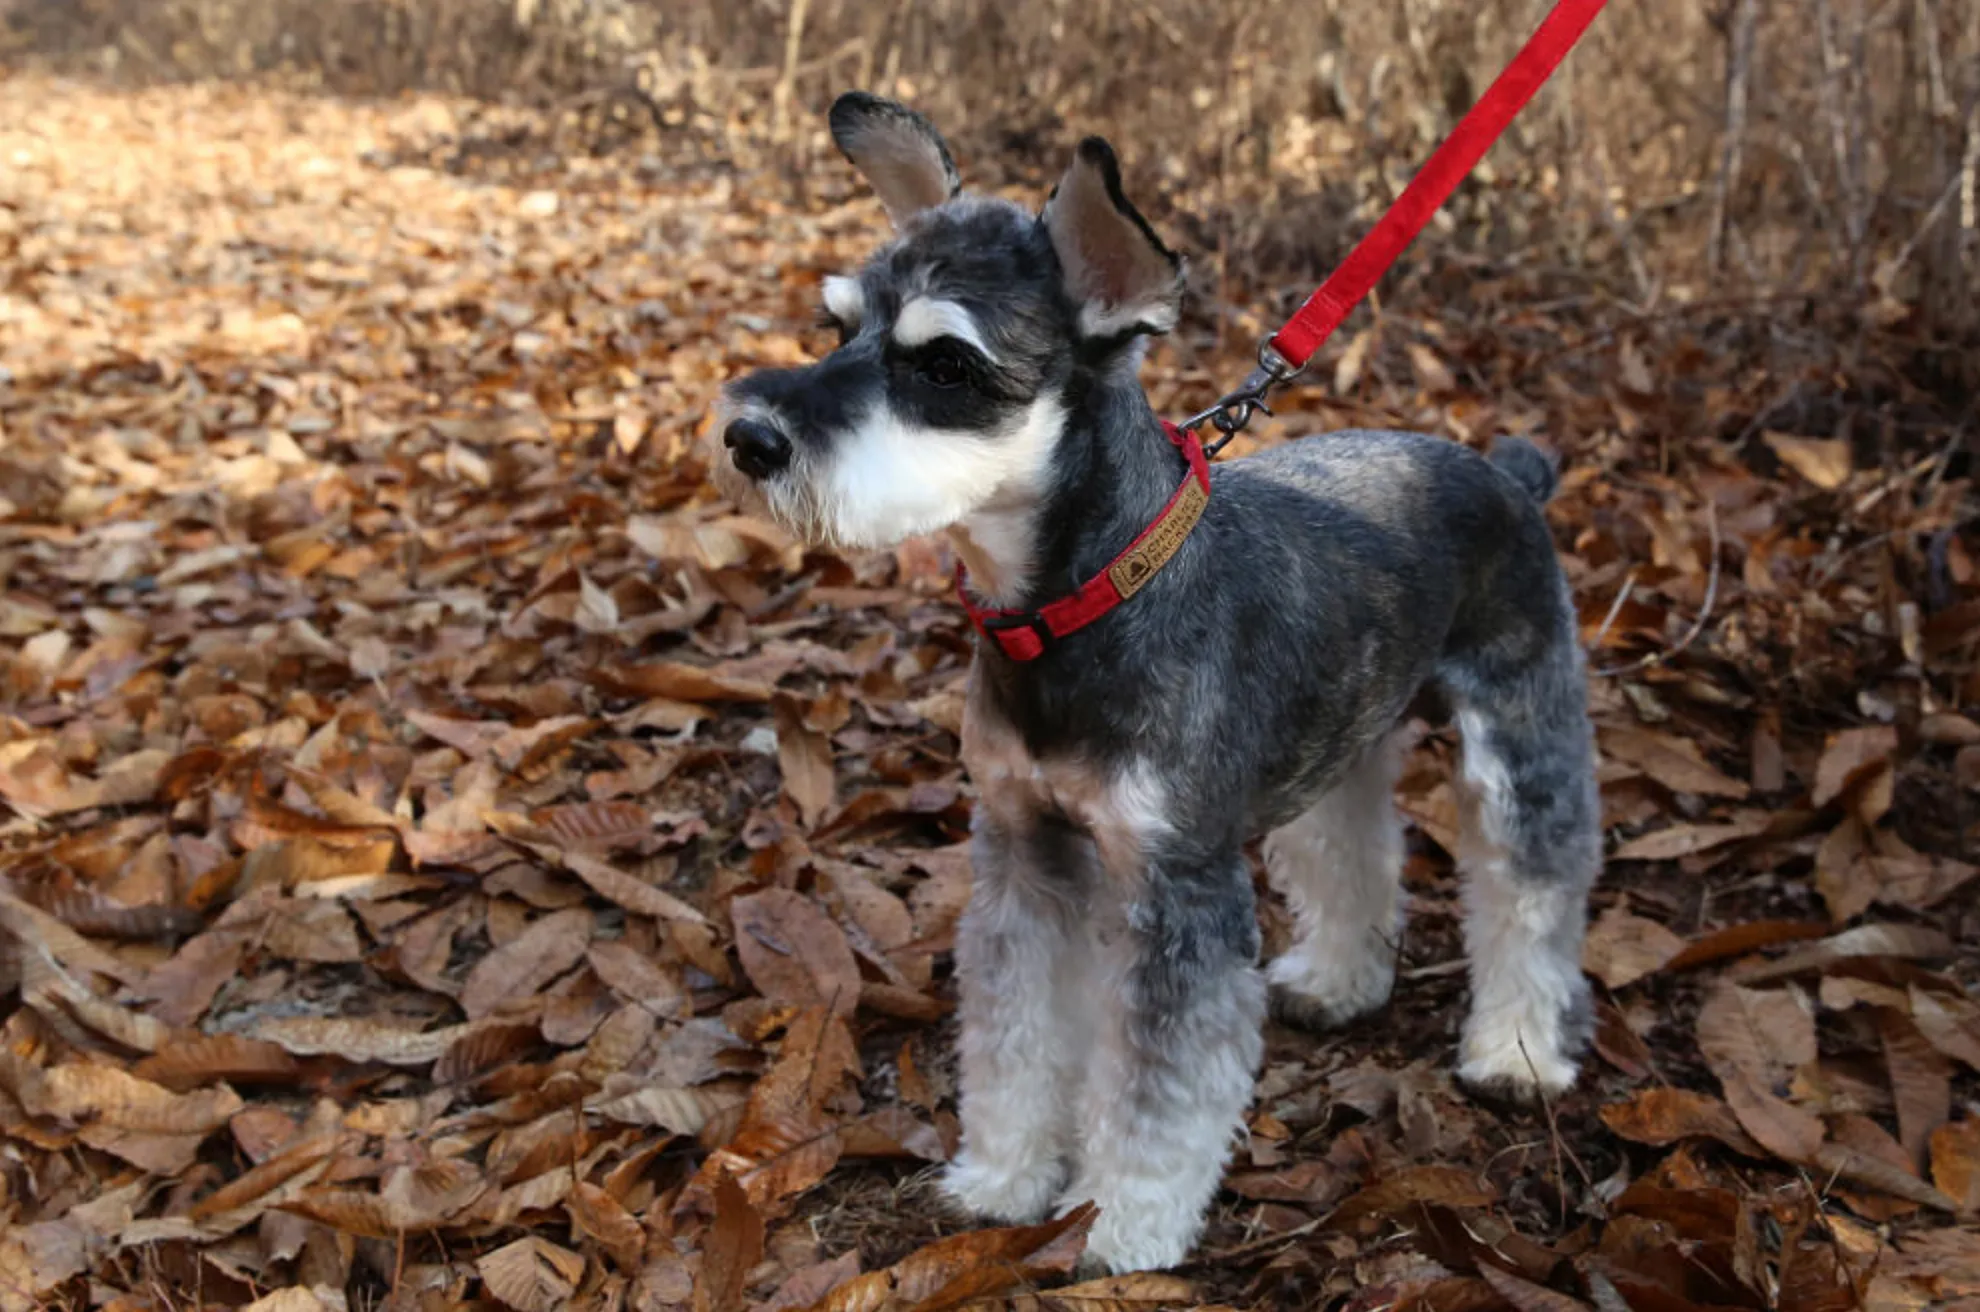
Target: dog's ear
{"x":897,"y":151}
{"x":1117,"y":270}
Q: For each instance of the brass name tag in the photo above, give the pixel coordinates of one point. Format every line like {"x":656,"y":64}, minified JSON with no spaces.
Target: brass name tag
{"x":1139,"y":565}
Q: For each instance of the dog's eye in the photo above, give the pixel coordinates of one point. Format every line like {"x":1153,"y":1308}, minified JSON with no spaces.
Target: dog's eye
{"x":942,"y":364}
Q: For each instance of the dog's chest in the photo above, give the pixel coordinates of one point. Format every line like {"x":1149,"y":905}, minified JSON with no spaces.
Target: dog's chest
{"x":1121,"y":807}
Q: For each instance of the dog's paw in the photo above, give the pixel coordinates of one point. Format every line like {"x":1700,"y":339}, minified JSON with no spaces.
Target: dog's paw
{"x":1015,"y":1197}
{"x":1120,"y":1242}
{"x":1318,"y":995}
{"x":1516,"y":1073}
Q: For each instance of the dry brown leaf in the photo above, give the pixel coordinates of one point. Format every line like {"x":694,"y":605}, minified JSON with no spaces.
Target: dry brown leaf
{"x":682,"y":683}
{"x":677,"y":1110}
{"x":482,"y":1048}
{"x":187,"y":1063}
{"x":1865,"y":1169}
{"x":628,"y":891}
{"x":427,"y":1195}
{"x":360,"y":1040}
{"x":1664,"y":1116}
{"x":115,"y":1099}
{"x":1527,"y":1296}
{"x":294,"y":1163}
{"x":293,"y":1299}
{"x":1674,"y":762}
{"x":1950,"y":1024}
{"x":805,"y":756}
{"x":594,"y":825}
{"x":1142,"y":1289}
{"x":1776,"y":1124}
{"x":616,"y":1042}
{"x":523,"y":965}
{"x":1921,"y":1082}
{"x":531,"y":1275}
{"x":1823,"y":461}
{"x":1768,"y":1033}
{"x":184,"y":986}
{"x":601,"y":1217}
{"x":1752,"y":1040}
{"x":30,"y":925}
{"x":637,"y":978}
{"x":1849,"y":757}
{"x":1904,"y":942}
{"x":1686,"y":839}
{"x":733,"y":1248}
{"x":794,"y":952}
{"x":1622,"y":948}
{"x":1736,"y":940}
{"x":1956,"y":1162}
{"x":976,"y":1264}
{"x":1446,"y":1186}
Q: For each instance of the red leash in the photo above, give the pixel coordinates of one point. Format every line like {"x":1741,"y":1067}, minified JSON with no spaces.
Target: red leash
{"x":1286,"y":352}
{"x":1027,"y":634}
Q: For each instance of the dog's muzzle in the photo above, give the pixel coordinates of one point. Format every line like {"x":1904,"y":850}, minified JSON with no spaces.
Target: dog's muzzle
{"x":757,"y":448}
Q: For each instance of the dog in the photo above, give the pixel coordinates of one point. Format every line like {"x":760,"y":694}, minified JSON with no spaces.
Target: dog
{"x":1252,"y":678}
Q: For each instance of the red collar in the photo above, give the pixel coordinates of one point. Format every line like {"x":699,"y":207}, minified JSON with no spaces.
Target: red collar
{"x":1025,"y":634}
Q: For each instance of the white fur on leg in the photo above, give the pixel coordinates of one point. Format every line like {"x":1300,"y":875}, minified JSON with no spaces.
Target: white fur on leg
{"x":1158,"y":1129}
{"x":1015,"y":1053}
{"x":1523,"y":937}
{"x":1340,"y":867}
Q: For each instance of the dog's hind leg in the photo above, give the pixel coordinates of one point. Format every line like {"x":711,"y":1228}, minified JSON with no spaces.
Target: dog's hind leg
{"x":1175,"y":1053}
{"x":1339,"y":865}
{"x":1532,"y":846}
{"x":1016,"y":947}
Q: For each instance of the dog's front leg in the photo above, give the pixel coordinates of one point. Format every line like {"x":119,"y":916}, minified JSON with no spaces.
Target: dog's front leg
{"x":1177,"y":1048}
{"x":1018,"y":1047}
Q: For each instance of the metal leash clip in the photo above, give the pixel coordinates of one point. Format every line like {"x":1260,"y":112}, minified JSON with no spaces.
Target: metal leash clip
{"x":1235,"y":409}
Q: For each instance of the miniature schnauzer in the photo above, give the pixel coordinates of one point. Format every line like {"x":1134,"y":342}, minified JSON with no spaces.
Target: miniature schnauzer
{"x":1251,"y":677}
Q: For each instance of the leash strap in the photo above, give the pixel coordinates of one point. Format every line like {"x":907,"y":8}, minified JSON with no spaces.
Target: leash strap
{"x":1483,"y":124}
{"x":1025,"y":634}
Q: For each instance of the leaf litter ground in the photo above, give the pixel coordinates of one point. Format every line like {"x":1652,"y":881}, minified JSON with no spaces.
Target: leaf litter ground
{"x":453,"y":860}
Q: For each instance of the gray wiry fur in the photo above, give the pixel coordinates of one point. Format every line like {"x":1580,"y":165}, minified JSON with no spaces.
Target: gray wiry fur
{"x":1111,"y":994}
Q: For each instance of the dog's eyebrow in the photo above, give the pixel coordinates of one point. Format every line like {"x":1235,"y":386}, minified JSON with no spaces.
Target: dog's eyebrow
{"x":923,"y":319}
{"x":844,"y":300}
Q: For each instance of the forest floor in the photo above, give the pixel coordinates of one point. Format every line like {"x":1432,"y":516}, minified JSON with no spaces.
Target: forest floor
{"x":452,"y":859}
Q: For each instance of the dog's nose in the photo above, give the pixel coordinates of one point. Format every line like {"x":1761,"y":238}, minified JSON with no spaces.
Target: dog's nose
{"x":757,"y":448}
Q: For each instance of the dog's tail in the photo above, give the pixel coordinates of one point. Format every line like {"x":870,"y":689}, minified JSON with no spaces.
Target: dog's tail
{"x":1536,"y":472}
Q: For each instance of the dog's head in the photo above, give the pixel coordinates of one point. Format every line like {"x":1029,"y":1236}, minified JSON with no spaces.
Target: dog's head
{"x":964,"y":345}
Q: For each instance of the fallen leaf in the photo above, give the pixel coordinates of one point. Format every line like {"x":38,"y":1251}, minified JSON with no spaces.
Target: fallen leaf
{"x":1622,"y":948}
{"x":1665,"y":1116}
{"x":1446,"y":1186}
{"x":1849,"y":757}
{"x":794,"y":952}
{"x":1527,"y":1296}
{"x":733,"y":1248}
{"x":1950,"y":1024}
{"x":531,"y":1275}
{"x":682,"y":683}
{"x":1921,"y":1082}
{"x":1904,"y":942}
{"x":1823,"y":461}
{"x":805,"y":756}
{"x":1768,"y":1033}
{"x":1736,"y":940}
{"x":517,"y":969}
{"x":1685,"y":839}
{"x":1955,"y":1149}
{"x":1674,"y":762}
{"x":977,"y":1264}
